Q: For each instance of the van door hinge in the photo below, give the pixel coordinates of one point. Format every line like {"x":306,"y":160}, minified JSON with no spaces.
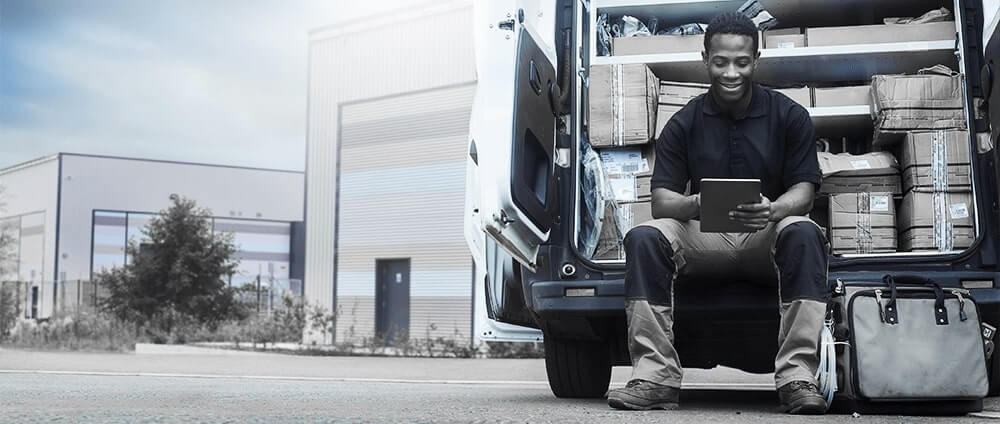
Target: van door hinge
{"x":507,"y":25}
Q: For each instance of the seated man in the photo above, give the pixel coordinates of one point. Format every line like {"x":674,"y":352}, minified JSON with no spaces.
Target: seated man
{"x":737,"y":130}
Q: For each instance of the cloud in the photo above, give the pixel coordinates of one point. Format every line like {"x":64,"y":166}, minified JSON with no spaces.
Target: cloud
{"x":218,"y":82}
{"x":221,"y":81}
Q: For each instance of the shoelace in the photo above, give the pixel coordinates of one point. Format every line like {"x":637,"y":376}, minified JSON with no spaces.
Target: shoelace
{"x":633,"y":383}
{"x":796,"y":385}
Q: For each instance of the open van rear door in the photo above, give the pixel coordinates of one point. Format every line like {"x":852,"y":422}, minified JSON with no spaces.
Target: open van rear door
{"x":513,"y":128}
{"x":991,"y":60}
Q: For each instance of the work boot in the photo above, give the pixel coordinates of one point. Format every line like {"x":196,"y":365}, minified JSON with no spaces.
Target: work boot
{"x":643,"y":395}
{"x":801,"y":398}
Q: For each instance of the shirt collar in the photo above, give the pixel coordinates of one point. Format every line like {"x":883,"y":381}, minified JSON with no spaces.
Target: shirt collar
{"x":759,"y":103}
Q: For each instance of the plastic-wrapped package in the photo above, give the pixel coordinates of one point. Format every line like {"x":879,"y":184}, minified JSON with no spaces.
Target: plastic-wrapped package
{"x":686,"y":29}
{"x":603,"y":35}
{"x":597,"y":198}
{"x":936,"y":15}
{"x":760,"y":16}
{"x":633,"y":27}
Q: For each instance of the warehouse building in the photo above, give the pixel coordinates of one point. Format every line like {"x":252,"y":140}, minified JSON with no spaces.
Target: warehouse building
{"x":385,"y":173}
{"x":71,"y":216}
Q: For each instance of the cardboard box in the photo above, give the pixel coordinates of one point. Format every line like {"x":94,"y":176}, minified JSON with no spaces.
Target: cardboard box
{"x":842,"y":96}
{"x":623,"y":103}
{"x":872,"y":172}
{"x":672,"y":97}
{"x":657,"y":44}
{"x":936,"y":221}
{"x":643,"y":190}
{"x":801,"y":95}
{"x":634,"y":213}
{"x":922,"y":91}
{"x":663,"y":115}
{"x":936,"y":161}
{"x":680,"y":93}
{"x":660,"y":44}
{"x":889,"y":183}
{"x":883,"y":33}
{"x":844,"y":164}
{"x":846,"y":241}
{"x":784,"y":38}
{"x":919,"y":119}
{"x":862,"y":222}
{"x":922,"y":239}
{"x":628,"y":171}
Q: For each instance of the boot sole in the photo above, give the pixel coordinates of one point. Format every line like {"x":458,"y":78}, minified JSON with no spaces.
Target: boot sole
{"x":626,"y":405}
{"x":806,"y":406}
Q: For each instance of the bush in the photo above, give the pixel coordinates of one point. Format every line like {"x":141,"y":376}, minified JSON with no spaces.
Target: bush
{"x":8,"y":310}
{"x":75,"y":331}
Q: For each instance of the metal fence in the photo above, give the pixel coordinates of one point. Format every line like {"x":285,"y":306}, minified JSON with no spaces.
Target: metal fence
{"x":27,"y":298}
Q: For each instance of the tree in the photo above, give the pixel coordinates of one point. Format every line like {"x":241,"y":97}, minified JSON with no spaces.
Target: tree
{"x":8,"y":298}
{"x":176,"y":274}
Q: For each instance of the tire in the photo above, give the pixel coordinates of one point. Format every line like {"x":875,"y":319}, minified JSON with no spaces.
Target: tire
{"x":577,"y":369}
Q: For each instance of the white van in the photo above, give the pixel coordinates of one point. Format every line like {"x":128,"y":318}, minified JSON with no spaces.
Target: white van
{"x":527,"y":202}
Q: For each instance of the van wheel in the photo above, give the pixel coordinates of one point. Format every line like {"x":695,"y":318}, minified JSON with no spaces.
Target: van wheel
{"x":577,"y":369}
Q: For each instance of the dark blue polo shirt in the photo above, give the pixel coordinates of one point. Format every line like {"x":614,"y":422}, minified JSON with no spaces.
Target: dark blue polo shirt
{"x":773,"y":142}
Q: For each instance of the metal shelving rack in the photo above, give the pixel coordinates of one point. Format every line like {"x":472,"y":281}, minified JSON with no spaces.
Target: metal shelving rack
{"x":823,"y":65}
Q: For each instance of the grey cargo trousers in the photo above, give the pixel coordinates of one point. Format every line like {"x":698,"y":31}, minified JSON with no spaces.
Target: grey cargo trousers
{"x":792,"y":251}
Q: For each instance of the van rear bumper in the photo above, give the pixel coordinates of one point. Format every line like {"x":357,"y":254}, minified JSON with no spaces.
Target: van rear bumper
{"x":594,"y":298}
{"x":561,"y":299}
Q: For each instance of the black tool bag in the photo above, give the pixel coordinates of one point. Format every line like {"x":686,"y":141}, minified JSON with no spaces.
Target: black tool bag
{"x":912,"y":347}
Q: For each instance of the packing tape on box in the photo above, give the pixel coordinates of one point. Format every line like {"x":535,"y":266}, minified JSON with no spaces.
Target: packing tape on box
{"x":618,"y":105}
{"x":863,"y":237}
{"x":943,"y":227}
{"x":939,"y":161}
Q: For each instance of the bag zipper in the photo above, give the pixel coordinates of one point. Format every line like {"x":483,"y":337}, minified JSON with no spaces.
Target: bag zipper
{"x":961,"y":304}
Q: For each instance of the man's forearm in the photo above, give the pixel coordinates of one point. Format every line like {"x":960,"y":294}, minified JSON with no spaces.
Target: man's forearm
{"x":670,"y":204}
{"x":798,"y":200}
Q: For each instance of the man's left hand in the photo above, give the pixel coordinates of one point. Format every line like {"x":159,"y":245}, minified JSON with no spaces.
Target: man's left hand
{"x":753,"y":215}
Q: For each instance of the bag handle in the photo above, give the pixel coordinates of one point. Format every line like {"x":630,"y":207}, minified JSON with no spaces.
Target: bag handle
{"x":940,"y":311}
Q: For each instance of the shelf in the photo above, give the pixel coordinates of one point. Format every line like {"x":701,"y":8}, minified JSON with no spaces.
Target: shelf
{"x":857,"y":62}
{"x":790,"y":13}
{"x":842,"y":121}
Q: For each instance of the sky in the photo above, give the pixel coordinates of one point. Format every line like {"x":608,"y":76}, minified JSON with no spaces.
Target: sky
{"x":211,"y":81}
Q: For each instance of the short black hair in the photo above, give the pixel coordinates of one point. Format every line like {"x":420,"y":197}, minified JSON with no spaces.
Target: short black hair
{"x":731,"y":23}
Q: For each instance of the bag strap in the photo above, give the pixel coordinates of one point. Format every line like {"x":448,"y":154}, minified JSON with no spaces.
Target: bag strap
{"x":940,"y":311}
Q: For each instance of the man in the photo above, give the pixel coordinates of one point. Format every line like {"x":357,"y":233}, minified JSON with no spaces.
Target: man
{"x":737,"y":130}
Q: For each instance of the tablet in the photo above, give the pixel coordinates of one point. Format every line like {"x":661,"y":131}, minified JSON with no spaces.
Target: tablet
{"x":719,"y":196}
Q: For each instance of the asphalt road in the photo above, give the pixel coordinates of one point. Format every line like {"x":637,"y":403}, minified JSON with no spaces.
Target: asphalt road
{"x":205,"y":387}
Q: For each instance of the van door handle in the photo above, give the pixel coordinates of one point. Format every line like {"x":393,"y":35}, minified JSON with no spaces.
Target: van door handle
{"x":534,"y":78}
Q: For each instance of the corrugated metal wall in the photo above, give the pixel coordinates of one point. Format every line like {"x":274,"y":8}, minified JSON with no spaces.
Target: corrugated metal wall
{"x":418,"y":50}
{"x":402,"y":189}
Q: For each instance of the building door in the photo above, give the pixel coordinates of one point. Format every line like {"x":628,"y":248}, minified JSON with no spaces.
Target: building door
{"x":34,"y":302}
{"x":392,"y":299}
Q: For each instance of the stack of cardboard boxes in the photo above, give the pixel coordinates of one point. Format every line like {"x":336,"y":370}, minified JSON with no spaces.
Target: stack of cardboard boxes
{"x":862,"y":215}
{"x":624,"y":103}
{"x":937,"y":210}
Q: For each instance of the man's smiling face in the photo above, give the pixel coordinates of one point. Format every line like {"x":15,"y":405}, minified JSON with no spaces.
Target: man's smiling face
{"x":731,"y":61}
